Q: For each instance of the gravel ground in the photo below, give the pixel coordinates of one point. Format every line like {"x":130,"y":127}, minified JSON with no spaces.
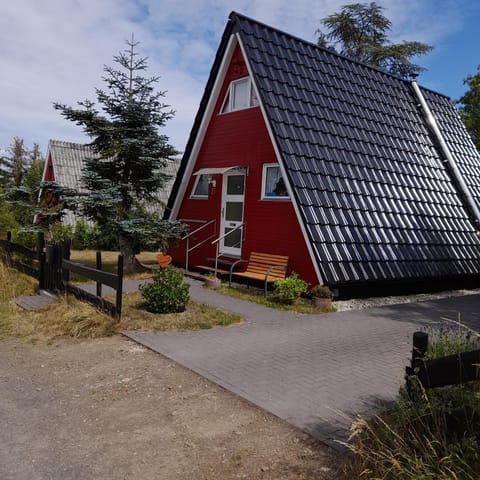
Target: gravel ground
{"x":109,"y":409}
{"x":361,"y":303}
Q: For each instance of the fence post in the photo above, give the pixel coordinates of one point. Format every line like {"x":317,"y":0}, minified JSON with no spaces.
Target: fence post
{"x":118,"y":303}
{"x":41,"y":271}
{"x":66,"y":248}
{"x":98,"y":266}
{"x":40,"y":243}
{"x":49,"y":267}
{"x":420,"y":344}
{"x":8,"y":251}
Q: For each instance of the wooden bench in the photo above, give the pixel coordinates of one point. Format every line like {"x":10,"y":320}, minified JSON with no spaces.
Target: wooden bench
{"x":262,"y":266}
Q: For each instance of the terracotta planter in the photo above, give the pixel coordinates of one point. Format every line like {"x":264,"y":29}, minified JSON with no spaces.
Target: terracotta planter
{"x":321,"y":302}
{"x":212,"y":282}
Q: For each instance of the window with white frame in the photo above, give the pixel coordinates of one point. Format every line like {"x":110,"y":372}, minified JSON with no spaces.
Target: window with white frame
{"x":200,"y":188}
{"x":273,"y":185}
{"x":240,"y":94}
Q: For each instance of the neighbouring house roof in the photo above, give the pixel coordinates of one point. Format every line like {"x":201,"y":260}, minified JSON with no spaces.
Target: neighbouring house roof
{"x":370,"y":185}
{"x":67,"y":160}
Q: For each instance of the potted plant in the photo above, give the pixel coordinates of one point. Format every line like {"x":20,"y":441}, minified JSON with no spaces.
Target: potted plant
{"x":321,"y":296}
{"x":211,"y":281}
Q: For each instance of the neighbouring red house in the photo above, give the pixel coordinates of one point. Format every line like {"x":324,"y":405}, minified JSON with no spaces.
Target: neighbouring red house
{"x":358,"y":176}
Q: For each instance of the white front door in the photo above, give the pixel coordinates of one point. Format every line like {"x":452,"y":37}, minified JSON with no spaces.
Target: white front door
{"x":233,"y":194}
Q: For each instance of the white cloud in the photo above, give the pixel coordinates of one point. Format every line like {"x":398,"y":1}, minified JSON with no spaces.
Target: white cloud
{"x":54,"y":50}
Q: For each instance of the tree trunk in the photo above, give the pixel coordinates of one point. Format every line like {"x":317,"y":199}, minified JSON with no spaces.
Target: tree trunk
{"x":130,"y":263}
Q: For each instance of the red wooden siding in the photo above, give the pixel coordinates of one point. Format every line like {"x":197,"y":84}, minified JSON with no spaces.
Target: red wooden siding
{"x":240,"y":138}
{"x":49,"y":173}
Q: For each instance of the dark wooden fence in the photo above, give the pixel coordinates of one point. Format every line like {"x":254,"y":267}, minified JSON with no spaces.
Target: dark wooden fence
{"x":22,"y":258}
{"x":54,"y":267}
{"x":100,"y":277}
{"x":439,"y":372}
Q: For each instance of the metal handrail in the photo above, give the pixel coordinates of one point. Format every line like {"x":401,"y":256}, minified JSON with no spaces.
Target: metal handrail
{"x":187,"y":238}
{"x":228,"y":233}
{"x":217,"y":254}
{"x":198,"y":229}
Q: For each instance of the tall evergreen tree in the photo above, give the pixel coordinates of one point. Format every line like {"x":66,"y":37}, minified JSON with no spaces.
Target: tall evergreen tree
{"x":12,"y":167}
{"x":359,"y":31}
{"x":470,"y":106}
{"x":132,"y":156}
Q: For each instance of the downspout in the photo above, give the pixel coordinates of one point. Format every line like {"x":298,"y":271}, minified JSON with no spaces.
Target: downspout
{"x":457,"y":176}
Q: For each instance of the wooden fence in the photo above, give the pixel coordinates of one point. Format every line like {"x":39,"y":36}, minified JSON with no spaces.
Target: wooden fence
{"x":30,"y":262}
{"x":54,"y":267}
{"x":100,"y":277}
{"x":439,"y":372}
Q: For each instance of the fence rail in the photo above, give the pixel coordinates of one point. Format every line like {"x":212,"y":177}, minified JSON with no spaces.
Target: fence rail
{"x":100,"y":277}
{"x":440,"y":372}
{"x":35,"y":256}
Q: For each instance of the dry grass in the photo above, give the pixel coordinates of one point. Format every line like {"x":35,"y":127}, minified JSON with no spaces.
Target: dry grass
{"x":68,"y":317}
{"x":109,"y":262}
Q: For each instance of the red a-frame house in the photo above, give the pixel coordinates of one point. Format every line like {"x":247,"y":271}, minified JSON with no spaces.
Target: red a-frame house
{"x":301,"y":152}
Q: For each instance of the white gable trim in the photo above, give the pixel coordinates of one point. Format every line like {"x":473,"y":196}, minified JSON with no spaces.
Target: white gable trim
{"x":282,"y":168}
{"x":192,"y":160}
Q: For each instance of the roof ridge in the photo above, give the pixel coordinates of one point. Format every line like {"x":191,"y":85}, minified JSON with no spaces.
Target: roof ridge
{"x":235,"y":15}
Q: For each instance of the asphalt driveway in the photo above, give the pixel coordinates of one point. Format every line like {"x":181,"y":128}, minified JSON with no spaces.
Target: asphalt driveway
{"x":317,"y":372}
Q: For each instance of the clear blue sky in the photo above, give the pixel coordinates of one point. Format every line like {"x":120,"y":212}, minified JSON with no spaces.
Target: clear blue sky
{"x":54,"y":50}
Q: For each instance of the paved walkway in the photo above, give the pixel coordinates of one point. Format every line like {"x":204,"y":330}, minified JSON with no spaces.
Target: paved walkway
{"x":317,"y":372}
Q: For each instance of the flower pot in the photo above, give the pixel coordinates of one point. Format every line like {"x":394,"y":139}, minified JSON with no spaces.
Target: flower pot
{"x":212,"y":282}
{"x":321,"y":303}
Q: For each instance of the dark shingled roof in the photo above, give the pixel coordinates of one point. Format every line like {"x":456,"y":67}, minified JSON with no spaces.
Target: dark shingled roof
{"x":375,"y":195}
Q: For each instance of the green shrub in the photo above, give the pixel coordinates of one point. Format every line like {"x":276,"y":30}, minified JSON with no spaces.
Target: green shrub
{"x":61,"y":232}
{"x":91,"y":237}
{"x":288,"y":290}
{"x":81,"y":237}
{"x":321,"y":291}
{"x":168,"y":293}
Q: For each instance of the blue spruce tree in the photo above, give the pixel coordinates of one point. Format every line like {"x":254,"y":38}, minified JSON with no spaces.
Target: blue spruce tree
{"x":133,"y":155}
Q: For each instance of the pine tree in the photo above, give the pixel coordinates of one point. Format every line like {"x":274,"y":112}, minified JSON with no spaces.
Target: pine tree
{"x":12,"y":167}
{"x":359,"y":31}
{"x":124,"y":180}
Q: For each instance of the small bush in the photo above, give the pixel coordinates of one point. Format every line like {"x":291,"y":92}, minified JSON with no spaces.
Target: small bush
{"x":321,"y":291}
{"x":288,"y":290}
{"x":91,"y":237}
{"x":61,"y":232}
{"x":168,"y":293}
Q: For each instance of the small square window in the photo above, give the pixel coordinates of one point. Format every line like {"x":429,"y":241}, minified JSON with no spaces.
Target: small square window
{"x":200,"y":189}
{"x":273,"y":185}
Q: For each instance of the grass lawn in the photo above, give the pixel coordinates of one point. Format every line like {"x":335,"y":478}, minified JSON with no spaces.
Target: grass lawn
{"x":68,"y":317}
{"x":109,"y":261}
{"x":256,"y":295}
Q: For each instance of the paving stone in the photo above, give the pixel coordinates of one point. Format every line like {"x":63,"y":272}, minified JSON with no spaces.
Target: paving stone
{"x":35,"y":302}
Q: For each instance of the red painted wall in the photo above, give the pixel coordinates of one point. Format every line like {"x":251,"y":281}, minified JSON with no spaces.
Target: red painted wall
{"x":240,"y":138}
{"x":49,"y":173}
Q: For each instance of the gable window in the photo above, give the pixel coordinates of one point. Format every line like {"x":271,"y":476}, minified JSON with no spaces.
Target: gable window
{"x":200,"y":188}
{"x":240,"y":94}
{"x":273,"y":185}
